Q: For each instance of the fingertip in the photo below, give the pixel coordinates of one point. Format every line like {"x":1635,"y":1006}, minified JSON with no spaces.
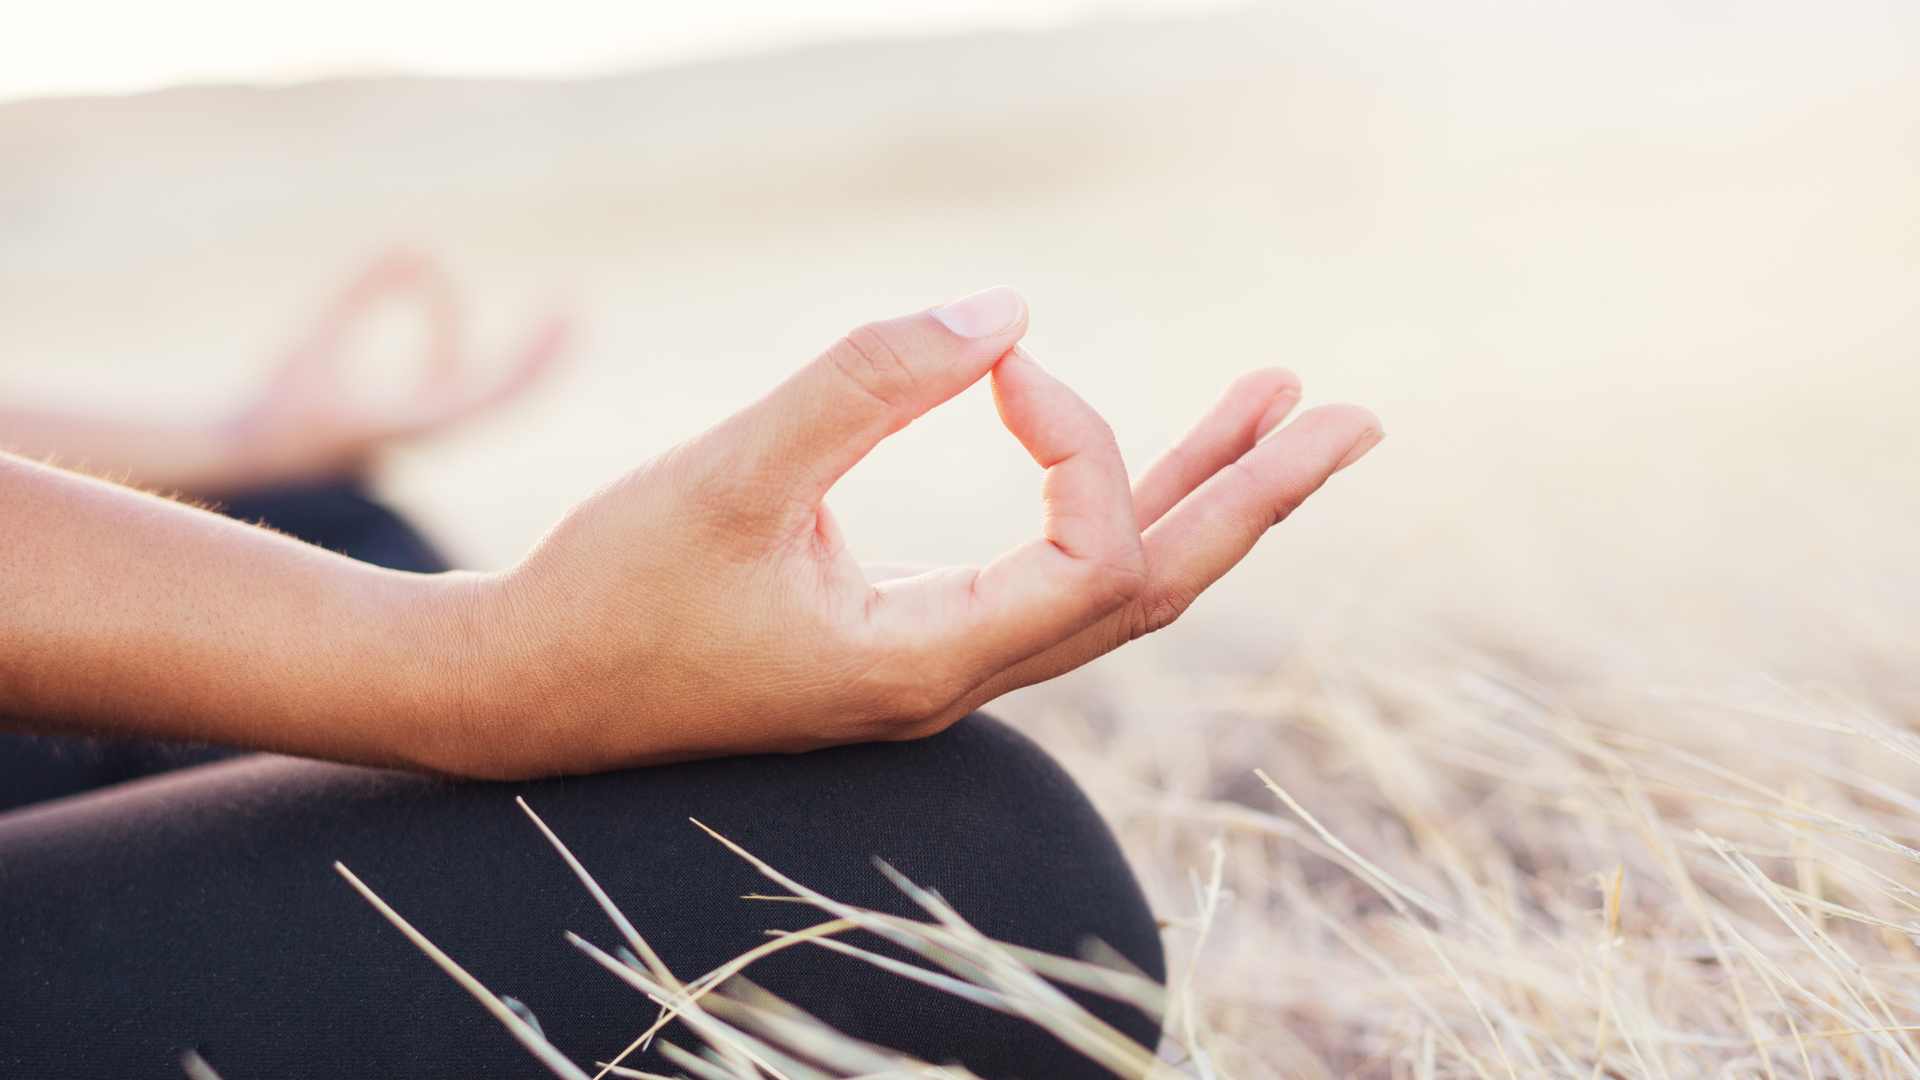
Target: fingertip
{"x":1353,"y":429}
{"x":1043,"y":412}
{"x":1022,"y":362}
{"x":1341,"y":416}
{"x":989,"y":313}
{"x":1366,"y":442}
{"x":1265,"y":383}
{"x":1016,"y":375}
{"x":1282,"y":395}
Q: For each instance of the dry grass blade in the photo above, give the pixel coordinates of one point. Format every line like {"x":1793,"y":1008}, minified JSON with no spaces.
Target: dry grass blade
{"x":611,"y":1069}
{"x":739,"y":1051}
{"x":958,"y":988}
{"x":196,"y":1066}
{"x":750,"y":1008}
{"x":712,"y":979}
{"x":1399,"y":896}
{"x":613,"y":912}
{"x":766,"y":1039}
{"x":978,"y":960}
{"x":620,"y":921}
{"x":524,"y":1032}
{"x":702,"y":1068}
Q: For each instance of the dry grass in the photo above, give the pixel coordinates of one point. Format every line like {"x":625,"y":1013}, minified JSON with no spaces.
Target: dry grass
{"x":1463,"y":867}
{"x":1597,"y":677}
{"x":1453,"y":866}
{"x":751,"y":1035}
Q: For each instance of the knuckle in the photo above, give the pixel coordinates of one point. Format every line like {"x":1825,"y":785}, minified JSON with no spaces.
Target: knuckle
{"x":1104,"y":436}
{"x":1157,"y":611}
{"x":874,"y":364}
{"x":1262,"y":509}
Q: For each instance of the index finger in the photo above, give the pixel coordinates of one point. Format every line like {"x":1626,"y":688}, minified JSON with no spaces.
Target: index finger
{"x":441,"y":405}
{"x":1205,"y":536}
{"x":1087,"y":562}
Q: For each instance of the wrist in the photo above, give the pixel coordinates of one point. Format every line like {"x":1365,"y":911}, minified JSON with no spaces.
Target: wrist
{"x":439,"y":693}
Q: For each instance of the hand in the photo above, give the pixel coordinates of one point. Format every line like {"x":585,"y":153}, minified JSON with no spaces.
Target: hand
{"x":308,"y":421}
{"x":706,"y":603}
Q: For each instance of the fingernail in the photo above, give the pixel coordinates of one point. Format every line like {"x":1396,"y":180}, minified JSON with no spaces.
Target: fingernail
{"x":983,"y":314}
{"x":1277,"y":410}
{"x":1360,"y":447}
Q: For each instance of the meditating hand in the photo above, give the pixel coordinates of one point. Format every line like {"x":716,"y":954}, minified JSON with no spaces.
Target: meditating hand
{"x":307,"y":422}
{"x":706,"y":603}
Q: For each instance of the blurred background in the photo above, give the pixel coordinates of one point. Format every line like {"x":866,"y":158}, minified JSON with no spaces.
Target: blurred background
{"x":1634,"y":287}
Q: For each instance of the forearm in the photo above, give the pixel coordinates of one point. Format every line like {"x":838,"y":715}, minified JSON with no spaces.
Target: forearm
{"x":123,"y":612}
{"x":202,"y":457}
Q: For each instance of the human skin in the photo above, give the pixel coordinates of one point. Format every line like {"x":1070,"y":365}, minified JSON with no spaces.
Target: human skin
{"x":703,"y":604}
{"x":305,"y":421}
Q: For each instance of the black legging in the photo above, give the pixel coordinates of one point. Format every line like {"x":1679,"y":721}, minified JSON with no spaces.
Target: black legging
{"x":197,"y":907}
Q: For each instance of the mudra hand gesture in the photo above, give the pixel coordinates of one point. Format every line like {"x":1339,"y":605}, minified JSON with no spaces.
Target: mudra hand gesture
{"x":706,"y":603}
{"x":309,"y":420}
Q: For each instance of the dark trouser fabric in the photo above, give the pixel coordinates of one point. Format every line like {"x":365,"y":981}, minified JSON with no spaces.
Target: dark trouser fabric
{"x":197,"y":907}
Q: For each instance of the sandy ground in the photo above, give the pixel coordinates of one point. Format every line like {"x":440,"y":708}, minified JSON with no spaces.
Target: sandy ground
{"x":1637,"y":295}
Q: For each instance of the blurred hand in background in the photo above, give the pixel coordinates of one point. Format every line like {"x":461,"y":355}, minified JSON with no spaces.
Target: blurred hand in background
{"x":705,"y":604}
{"x":309,"y":421}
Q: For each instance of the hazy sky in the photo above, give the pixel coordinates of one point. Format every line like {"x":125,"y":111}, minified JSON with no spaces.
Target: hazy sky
{"x":112,"y":46}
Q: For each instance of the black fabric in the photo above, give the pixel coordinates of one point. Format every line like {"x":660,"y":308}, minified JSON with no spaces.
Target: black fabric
{"x":339,"y":516}
{"x":198,"y":908}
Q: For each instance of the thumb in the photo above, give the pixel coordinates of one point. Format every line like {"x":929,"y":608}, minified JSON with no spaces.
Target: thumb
{"x":805,"y":434}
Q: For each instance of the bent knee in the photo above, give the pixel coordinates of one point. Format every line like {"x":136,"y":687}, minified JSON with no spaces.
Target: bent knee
{"x":996,"y":826}
{"x":977,"y":813}
{"x":1033,"y":827}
